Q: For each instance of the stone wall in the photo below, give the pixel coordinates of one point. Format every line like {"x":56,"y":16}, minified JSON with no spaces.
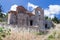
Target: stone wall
{"x":21,"y":18}
{"x":40,"y":18}
{"x":11,"y":18}
{"x":16,"y":28}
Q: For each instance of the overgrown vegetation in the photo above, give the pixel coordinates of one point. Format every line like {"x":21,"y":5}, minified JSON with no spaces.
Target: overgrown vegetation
{"x":2,"y":16}
{"x":47,"y":18}
{"x":55,"y":20}
{"x":54,"y":36}
{"x":41,"y":33}
{"x":4,"y":32}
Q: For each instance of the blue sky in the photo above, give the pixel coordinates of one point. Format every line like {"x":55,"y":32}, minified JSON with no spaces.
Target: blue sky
{"x":45,"y":4}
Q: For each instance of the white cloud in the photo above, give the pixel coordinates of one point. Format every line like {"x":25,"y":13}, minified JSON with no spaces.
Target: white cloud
{"x":31,"y":6}
{"x":13,"y":7}
{"x":4,"y":13}
{"x":52,"y":11}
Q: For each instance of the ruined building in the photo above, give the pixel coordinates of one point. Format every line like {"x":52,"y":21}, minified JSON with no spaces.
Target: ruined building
{"x":23,"y":17}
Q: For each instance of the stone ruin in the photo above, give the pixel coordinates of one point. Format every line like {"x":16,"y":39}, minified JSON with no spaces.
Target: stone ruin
{"x":24,"y":18}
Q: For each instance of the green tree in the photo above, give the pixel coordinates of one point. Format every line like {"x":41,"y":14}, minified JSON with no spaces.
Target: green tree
{"x":55,"y":19}
{"x":6,"y":17}
{"x":47,"y":18}
{"x":2,"y":16}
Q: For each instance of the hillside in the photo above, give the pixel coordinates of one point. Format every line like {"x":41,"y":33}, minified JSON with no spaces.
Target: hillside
{"x":17,"y":34}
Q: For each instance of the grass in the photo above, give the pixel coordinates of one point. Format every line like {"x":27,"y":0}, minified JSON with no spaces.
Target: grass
{"x":54,"y":36}
{"x":21,"y":35}
{"x":40,"y":33}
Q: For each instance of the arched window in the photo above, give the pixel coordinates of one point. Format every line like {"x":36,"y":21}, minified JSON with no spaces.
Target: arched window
{"x":38,"y":12}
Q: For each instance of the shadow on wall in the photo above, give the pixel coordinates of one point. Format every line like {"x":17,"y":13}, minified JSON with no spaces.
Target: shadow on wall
{"x":49,"y":25}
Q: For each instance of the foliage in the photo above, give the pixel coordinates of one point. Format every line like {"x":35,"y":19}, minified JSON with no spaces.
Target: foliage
{"x":1,"y":14}
{"x":55,"y":20}
{"x":4,"y":32}
{"x":54,"y":36}
{"x":40,"y":33}
{"x":6,"y":16}
{"x":0,"y":8}
{"x":1,"y":20}
{"x":47,"y":18}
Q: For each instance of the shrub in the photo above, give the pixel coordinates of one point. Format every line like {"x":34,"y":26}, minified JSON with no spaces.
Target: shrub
{"x":40,"y":33}
{"x":4,"y":32}
{"x":1,"y":20}
{"x":52,"y":36}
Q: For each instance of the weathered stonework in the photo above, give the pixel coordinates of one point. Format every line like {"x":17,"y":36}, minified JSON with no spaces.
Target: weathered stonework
{"x":22,"y":17}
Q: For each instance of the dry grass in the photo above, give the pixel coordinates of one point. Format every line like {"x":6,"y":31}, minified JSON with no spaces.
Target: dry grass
{"x":23,"y":36}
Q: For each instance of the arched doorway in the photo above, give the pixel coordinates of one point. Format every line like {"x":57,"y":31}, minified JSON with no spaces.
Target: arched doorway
{"x":31,"y":22}
{"x":46,"y":26}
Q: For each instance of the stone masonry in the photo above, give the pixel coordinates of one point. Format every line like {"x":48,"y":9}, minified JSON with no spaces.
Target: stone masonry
{"x":23,"y":17}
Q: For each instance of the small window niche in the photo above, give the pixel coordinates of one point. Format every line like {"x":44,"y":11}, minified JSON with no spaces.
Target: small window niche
{"x":39,"y":13}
